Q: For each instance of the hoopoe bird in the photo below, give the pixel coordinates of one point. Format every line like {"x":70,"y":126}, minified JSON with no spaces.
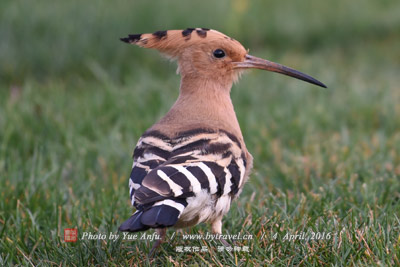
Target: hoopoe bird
{"x":191,"y":165}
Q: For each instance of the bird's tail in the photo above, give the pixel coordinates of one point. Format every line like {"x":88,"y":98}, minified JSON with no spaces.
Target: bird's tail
{"x":134,"y":224}
{"x":158,"y":216}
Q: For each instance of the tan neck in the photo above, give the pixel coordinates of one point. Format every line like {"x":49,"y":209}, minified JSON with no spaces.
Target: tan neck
{"x":201,"y":103}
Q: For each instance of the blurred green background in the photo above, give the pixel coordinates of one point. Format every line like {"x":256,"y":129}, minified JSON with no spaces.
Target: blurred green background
{"x":74,"y":100}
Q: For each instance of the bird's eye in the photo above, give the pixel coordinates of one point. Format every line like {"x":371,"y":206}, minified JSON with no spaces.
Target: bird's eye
{"x":219,"y":53}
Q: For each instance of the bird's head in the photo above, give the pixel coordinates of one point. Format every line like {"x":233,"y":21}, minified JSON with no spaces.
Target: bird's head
{"x":209,"y":54}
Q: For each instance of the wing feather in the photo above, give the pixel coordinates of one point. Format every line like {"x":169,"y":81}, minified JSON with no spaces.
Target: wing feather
{"x":167,"y":172}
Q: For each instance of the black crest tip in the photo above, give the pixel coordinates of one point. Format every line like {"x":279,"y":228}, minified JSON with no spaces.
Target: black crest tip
{"x":187,"y":32}
{"x":160,"y":34}
{"x":125,"y":39}
{"x":132,"y":38}
{"x":201,"y":33}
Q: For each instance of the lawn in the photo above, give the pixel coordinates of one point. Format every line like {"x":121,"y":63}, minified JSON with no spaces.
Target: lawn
{"x":74,"y":100}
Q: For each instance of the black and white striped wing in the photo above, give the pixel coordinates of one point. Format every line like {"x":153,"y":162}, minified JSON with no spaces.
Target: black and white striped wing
{"x":202,"y":172}
{"x":150,"y":152}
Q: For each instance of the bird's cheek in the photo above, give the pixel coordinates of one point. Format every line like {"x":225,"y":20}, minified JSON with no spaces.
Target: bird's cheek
{"x":203,"y":68}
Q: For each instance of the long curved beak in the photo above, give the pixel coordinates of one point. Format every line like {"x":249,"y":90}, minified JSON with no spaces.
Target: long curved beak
{"x":259,"y":63}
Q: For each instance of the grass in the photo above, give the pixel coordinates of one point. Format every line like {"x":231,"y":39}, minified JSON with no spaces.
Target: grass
{"x":74,"y":101}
